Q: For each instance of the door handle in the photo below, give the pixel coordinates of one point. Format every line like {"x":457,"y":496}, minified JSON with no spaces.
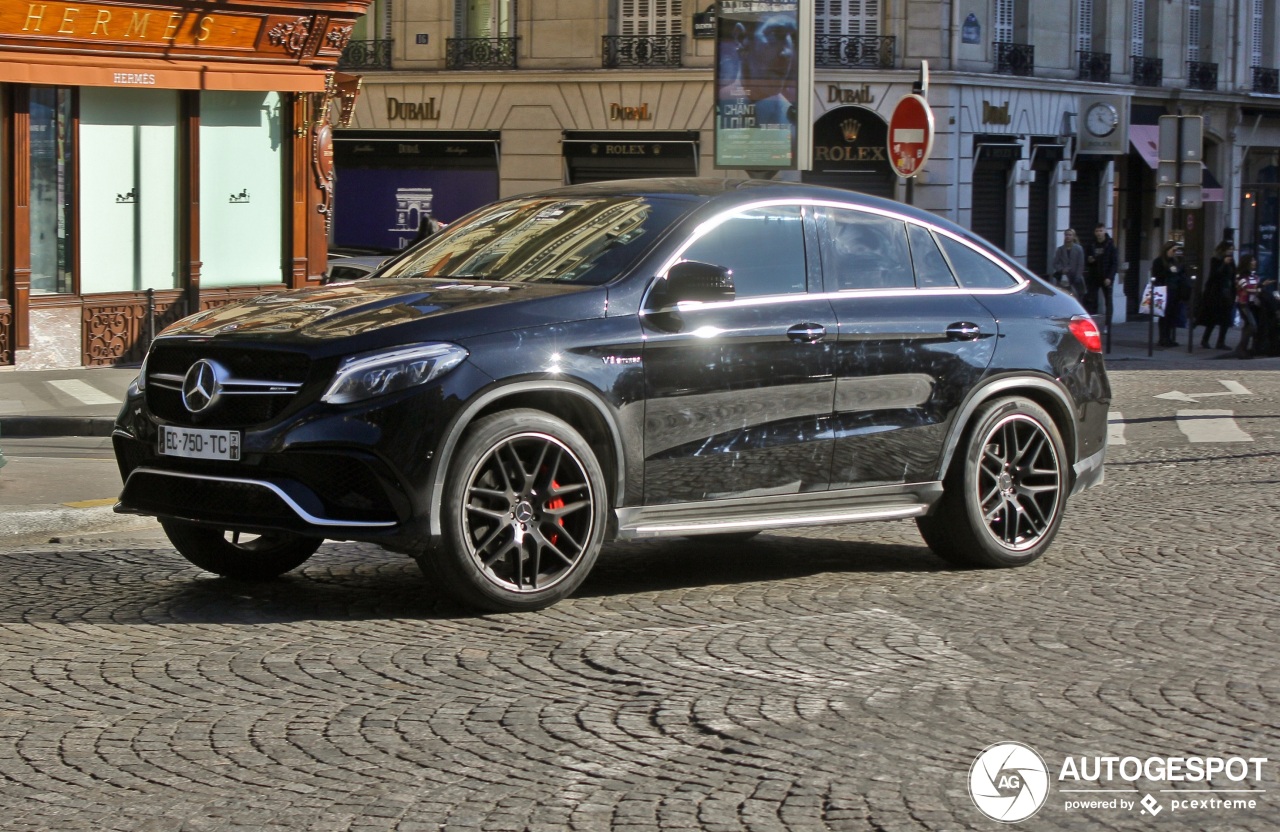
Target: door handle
{"x":964,"y":331}
{"x":807,"y":333}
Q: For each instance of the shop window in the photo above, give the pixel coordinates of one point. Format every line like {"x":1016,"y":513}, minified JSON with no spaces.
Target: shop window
{"x":241,"y":188}
{"x":52,"y":188}
{"x":129,"y":189}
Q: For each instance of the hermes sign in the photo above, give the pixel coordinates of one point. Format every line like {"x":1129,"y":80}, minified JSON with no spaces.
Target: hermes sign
{"x":127,"y":25}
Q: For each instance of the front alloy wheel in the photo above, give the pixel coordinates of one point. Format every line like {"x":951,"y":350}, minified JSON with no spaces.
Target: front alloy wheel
{"x":1003,"y":500}
{"x":524,"y":513}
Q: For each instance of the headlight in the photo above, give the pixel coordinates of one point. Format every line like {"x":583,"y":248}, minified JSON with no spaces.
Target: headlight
{"x":375,"y":374}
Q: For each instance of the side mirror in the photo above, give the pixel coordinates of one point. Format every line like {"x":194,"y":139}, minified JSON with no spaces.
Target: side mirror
{"x":690,"y":280}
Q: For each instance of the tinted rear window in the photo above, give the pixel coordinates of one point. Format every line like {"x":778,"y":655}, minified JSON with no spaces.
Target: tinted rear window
{"x":973,"y":269}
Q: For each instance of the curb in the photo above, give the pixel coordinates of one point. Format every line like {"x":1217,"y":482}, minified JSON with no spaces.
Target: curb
{"x":14,"y":426}
{"x":29,"y":522}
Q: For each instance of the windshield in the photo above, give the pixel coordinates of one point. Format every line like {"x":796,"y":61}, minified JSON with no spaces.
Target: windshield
{"x":542,"y":239}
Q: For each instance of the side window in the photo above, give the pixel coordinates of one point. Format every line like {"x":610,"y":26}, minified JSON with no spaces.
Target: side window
{"x":865,"y":251}
{"x":973,"y":269}
{"x":932,"y":271}
{"x":764,"y":248}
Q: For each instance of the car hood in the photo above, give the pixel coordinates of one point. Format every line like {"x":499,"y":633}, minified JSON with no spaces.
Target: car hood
{"x":343,"y":310}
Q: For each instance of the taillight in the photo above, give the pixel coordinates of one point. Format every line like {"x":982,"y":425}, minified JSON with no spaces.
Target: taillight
{"x":1087,"y":333}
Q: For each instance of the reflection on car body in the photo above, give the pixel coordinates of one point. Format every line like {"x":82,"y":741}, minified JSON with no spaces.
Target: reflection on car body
{"x":626,"y":360}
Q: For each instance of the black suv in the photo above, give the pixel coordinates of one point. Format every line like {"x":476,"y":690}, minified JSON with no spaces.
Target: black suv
{"x":625,"y":360}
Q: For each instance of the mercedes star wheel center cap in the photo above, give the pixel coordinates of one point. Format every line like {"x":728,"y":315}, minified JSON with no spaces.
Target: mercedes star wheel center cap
{"x":202,"y":385}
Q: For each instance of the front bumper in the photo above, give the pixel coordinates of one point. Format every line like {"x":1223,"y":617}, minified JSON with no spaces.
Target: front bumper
{"x":344,"y":472}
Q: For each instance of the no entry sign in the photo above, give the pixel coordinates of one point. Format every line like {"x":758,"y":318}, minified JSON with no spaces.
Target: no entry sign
{"x":910,"y":135}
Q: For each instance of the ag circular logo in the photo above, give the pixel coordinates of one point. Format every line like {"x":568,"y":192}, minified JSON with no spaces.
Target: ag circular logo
{"x":1009,"y":782}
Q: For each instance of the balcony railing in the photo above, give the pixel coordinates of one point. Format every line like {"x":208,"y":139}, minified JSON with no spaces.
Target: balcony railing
{"x":1266,"y":80}
{"x":1202,"y":75}
{"x":1095,"y":66}
{"x":1147,"y":72}
{"x":480,"y":53}
{"x":642,"y":50}
{"x":838,"y":51}
{"x":1015,"y":58}
{"x":366,"y":54}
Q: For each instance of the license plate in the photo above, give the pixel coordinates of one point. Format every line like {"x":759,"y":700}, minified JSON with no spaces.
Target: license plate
{"x":194,"y":443}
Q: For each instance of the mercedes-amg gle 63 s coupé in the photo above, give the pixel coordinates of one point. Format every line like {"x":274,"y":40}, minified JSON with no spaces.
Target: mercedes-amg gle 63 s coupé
{"x":625,"y":360}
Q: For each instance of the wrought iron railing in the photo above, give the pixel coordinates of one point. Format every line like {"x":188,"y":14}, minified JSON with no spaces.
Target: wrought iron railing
{"x":1266,"y":79}
{"x":1015,"y":58}
{"x":1147,"y":72}
{"x":642,"y":50}
{"x":837,"y":51}
{"x":480,"y":53}
{"x":366,"y":54}
{"x":1202,"y":75}
{"x":1095,"y":66}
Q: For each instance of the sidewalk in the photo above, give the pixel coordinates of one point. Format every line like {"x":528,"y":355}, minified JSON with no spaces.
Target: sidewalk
{"x":84,"y":401}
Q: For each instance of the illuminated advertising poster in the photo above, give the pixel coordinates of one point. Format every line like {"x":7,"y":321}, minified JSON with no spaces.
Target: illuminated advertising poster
{"x":756,"y":81}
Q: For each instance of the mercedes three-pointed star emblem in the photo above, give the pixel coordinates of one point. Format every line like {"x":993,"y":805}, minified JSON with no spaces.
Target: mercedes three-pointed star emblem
{"x":202,"y":385}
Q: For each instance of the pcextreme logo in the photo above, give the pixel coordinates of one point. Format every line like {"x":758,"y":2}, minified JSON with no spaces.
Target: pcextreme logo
{"x":1009,"y":782}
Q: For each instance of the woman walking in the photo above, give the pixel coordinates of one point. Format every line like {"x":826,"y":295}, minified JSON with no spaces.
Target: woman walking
{"x":1247,"y":304}
{"x":1167,"y":271}
{"x":1217,"y":304}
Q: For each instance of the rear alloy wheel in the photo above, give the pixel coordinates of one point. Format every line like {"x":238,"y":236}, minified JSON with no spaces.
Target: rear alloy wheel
{"x":239,"y":555}
{"x":1004,"y":497}
{"x":524,"y":514}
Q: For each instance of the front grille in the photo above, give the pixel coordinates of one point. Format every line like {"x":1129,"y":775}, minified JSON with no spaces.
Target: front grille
{"x":267,"y":382}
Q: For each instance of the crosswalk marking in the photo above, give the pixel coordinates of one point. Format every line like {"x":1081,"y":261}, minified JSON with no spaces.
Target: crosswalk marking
{"x":1115,"y":428}
{"x":1211,"y":426}
{"x":84,"y":393}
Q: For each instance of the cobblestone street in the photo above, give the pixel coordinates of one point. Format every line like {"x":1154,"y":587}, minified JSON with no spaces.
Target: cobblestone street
{"x":819,"y":679}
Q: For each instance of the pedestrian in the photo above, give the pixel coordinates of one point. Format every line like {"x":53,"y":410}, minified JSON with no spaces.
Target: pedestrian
{"x":428,"y":227}
{"x":1247,"y":289}
{"x":1217,"y":303}
{"x":1268,"y":316}
{"x":1101,"y":262}
{"x":1068,"y":264}
{"x":1167,"y":271}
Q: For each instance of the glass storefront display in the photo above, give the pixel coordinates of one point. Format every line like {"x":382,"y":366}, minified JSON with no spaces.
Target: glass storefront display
{"x":51,"y":159}
{"x":241,"y":188}
{"x":1260,"y":212}
{"x":129,"y":178}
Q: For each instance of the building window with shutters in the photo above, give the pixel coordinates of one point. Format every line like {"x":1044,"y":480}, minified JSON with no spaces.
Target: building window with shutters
{"x":488,"y":18}
{"x":650,"y":17}
{"x":646,"y":33}
{"x":847,"y":33}
{"x":1013,"y":54}
{"x":485,"y":35}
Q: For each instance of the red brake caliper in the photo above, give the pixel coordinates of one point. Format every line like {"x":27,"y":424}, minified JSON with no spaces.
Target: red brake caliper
{"x":552,"y":505}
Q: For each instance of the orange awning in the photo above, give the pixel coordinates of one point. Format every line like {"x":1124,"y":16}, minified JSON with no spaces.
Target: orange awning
{"x":155,"y":73}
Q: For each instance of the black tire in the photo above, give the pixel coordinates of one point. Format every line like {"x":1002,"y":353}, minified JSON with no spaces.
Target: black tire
{"x":242,"y":557}
{"x":1004,"y":495}
{"x":524,"y":514}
